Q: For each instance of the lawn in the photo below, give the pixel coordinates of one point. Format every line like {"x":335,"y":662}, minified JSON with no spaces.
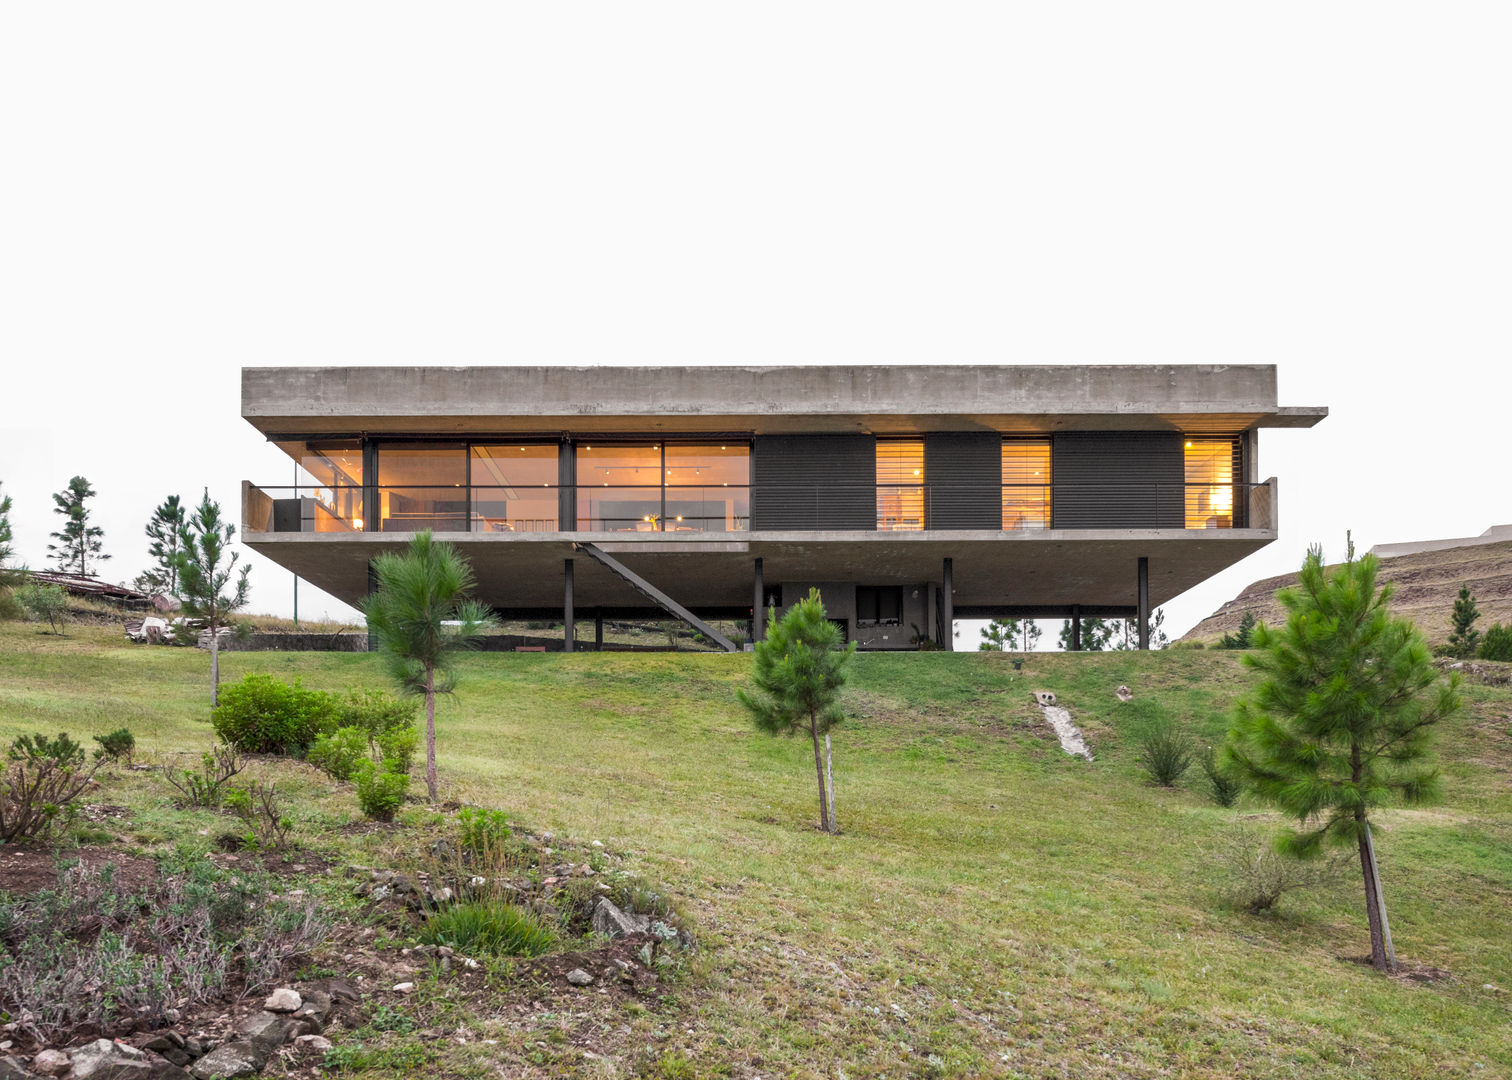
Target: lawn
{"x":991,"y":908}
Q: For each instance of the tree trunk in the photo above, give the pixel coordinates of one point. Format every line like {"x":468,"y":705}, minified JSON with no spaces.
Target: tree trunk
{"x":824,"y":813}
{"x":829,"y":784}
{"x":430,"y":734}
{"x":214,"y":667}
{"x":1375,"y":877}
{"x":1372,"y":901}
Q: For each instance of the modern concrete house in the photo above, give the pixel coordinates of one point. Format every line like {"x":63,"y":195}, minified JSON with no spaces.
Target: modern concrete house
{"x":911,"y":496}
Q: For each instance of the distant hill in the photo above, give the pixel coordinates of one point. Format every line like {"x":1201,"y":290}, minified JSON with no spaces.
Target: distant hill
{"x":1426,"y":585}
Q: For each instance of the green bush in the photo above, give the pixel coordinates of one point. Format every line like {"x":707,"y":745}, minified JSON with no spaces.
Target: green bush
{"x":1165,"y":751}
{"x":117,"y":745}
{"x":483,"y":832}
{"x":376,"y":712}
{"x":44,"y":603}
{"x":380,"y":791}
{"x":1223,"y":786}
{"x":339,"y":752}
{"x":10,"y":608}
{"x":263,"y":715}
{"x":396,"y":749}
{"x":41,"y":778}
{"x":494,"y":928}
{"x":1496,"y":643}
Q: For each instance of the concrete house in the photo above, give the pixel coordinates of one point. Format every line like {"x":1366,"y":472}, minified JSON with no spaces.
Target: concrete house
{"x":911,"y":496}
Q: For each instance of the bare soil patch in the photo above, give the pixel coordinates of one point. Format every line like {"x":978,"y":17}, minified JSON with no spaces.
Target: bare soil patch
{"x":26,"y":870}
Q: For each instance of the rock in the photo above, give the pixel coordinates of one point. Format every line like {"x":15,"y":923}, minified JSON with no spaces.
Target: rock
{"x":610,"y":921}
{"x":167,"y":1039}
{"x":283,"y":1000}
{"x":51,"y":1063}
{"x":404,"y":988}
{"x":442,"y":896}
{"x":106,"y":1060}
{"x":1123,"y":693}
{"x":312,"y":1044}
{"x":229,"y":1061}
{"x":13,"y":1068}
{"x":316,"y":1005}
{"x":579,"y":977}
{"x":266,"y":1030}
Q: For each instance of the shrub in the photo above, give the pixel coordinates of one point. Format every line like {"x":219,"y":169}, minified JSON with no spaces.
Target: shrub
{"x":42,"y":777}
{"x":91,"y":953}
{"x":1257,"y":875}
{"x":117,"y":745}
{"x":10,"y":608}
{"x":495,"y":928}
{"x":1165,"y":751}
{"x":1496,"y":643}
{"x":483,"y":832}
{"x":44,"y":603}
{"x":376,"y":712}
{"x":263,"y":715}
{"x":396,"y":749}
{"x":340,"y":752}
{"x":204,"y":788}
{"x":1223,"y":786}
{"x":380,"y":791}
{"x":268,"y":826}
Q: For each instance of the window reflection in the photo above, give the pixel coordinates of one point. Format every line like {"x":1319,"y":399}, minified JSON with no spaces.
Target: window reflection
{"x":657,"y":487}
{"x":514,"y":487}
{"x":900,"y":485}
{"x":1026,"y":484}
{"x":327,"y":496}
{"x":422,"y":486}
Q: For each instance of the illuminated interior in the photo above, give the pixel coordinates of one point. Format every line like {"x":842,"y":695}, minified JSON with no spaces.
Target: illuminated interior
{"x":900,"y":485}
{"x":422,"y":485}
{"x":1209,"y":483}
{"x":328,"y":485}
{"x":1026,"y":484}
{"x":514,"y":487}
{"x":656,"y":487}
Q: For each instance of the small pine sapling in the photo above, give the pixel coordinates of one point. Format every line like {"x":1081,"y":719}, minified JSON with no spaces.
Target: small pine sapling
{"x":1464,"y":638}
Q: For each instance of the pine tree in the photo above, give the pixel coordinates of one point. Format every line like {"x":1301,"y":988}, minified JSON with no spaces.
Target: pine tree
{"x":163,"y":531}
{"x":1242,"y":638}
{"x":1029,"y":634}
{"x":999,"y":635}
{"x":8,"y":575}
{"x":205,"y":575}
{"x":1096,"y":634}
{"x":1464,"y":639}
{"x":419,"y":619}
{"x":799,"y":671}
{"x":1341,"y":719}
{"x":78,"y":540}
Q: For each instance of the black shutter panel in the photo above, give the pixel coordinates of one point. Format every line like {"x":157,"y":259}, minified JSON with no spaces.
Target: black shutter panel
{"x":814,"y":482}
{"x":1118,"y":480}
{"x":964,"y":471}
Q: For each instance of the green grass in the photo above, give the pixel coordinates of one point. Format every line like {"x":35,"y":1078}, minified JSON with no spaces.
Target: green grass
{"x":992,"y":907}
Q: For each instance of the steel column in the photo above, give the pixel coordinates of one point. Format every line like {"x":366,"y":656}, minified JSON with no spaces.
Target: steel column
{"x":1144,"y":602}
{"x":948,"y":600}
{"x":598,"y":629}
{"x":569,"y":624}
{"x":1076,"y":628}
{"x":758,"y":607}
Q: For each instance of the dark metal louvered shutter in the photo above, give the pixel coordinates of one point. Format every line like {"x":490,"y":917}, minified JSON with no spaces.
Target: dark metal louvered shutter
{"x":1117,"y":480}
{"x":964,"y":471}
{"x":814,"y":482}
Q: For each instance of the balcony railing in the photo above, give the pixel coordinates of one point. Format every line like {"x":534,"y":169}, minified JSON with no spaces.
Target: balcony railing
{"x":727,"y":508}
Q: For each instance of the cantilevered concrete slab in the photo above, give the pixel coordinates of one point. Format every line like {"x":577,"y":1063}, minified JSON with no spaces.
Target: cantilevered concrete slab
{"x":432,"y":401}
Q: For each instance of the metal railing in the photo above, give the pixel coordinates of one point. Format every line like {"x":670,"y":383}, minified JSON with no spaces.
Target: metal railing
{"x":727,"y":508}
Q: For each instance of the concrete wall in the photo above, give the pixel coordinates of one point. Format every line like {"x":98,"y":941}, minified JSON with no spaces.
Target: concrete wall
{"x":840,"y":604}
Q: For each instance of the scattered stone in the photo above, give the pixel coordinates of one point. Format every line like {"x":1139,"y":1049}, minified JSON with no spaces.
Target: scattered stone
{"x":107,"y":1060}
{"x":1123,"y":693}
{"x":579,"y":977}
{"x":317,"y":1005}
{"x":230,"y":1061}
{"x":404,"y":988}
{"x":312,"y":1044}
{"x":13,"y":1068}
{"x":610,"y":921}
{"x":267,"y":1030}
{"x":283,"y":1000}
{"x":598,"y":843}
{"x":51,"y":1063}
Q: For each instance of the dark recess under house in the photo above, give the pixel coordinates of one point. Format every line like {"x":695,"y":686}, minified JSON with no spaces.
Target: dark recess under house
{"x":910,"y":496}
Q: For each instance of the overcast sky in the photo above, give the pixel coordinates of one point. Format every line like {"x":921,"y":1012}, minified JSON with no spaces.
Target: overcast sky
{"x":189,"y":188}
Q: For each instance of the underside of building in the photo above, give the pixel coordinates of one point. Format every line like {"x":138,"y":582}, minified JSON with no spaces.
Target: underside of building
{"x":909,"y":496}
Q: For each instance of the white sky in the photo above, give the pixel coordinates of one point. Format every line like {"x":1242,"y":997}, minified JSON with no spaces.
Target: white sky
{"x":189,"y":188}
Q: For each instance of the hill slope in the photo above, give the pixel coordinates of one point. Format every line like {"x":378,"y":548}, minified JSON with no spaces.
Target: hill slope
{"x":993,"y":907}
{"x":1426,"y":585}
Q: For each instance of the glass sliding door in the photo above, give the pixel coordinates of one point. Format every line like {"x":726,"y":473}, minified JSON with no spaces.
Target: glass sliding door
{"x":422,"y":485}
{"x":707,"y":487}
{"x":619,"y":487}
{"x":514,"y":487}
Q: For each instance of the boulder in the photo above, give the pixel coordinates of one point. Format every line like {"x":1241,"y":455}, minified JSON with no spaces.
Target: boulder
{"x":230,"y":1061}
{"x":106,"y":1060}
{"x":266,"y":1030}
{"x":1123,"y":693}
{"x":283,"y":1000}
{"x":579,"y":977}
{"x":610,"y":921}
{"x":312,"y":1044}
{"x":51,"y":1063}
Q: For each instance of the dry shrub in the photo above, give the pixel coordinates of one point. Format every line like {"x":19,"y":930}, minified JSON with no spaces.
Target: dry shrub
{"x":1257,"y":875}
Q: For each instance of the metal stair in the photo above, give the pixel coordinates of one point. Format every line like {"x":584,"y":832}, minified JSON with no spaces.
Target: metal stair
{"x":655,"y":595}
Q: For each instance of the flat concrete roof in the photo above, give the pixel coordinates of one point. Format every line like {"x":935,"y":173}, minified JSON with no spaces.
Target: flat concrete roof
{"x":1041,"y":569}
{"x":306,"y":401}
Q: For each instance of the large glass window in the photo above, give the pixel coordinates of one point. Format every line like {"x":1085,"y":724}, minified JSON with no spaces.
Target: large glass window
{"x":1210,"y":469}
{"x":655,"y":487}
{"x":900,"y":485}
{"x":514,"y":487}
{"x":328,"y":485}
{"x":1026,"y":483}
{"x":422,"y":486}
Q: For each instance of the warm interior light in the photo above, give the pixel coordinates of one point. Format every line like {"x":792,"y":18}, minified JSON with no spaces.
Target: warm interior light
{"x":1223,"y":499}
{"x":356,"y":523}
{"x":679,"y":517}
{"x":1189,"y":444}
{"x":916,"y":472}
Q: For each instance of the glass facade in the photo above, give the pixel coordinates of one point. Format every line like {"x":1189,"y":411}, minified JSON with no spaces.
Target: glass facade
{"x":514,"y":487}
{"x":422,"y":485}
{"x":663,"y":487}
{"x":1211,"y":465}
{"x":327,"y":495}
{"x":900,"y":485}
{"x":1026,"y":484}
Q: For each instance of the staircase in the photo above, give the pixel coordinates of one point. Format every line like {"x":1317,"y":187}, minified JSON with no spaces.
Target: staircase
{"x":655,"y":595}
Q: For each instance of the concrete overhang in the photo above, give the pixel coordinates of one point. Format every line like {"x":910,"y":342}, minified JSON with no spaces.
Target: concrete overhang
{"x":308,"y":401}
{"x":1028,"y":571}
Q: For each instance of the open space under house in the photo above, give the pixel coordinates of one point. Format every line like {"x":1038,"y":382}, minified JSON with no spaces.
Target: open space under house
{"x":910,"y":496}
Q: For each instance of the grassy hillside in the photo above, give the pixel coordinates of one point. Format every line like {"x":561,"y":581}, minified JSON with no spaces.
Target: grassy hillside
{"x":993,"y":907}
{"x":1426,"y":585}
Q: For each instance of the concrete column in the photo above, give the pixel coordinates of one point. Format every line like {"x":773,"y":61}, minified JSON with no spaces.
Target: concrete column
{"x":1144,"y":602}
{"x":758,"y":607}
{"x":598,"y":629}
{"x":1076,"y":628}
{"x":569,"y":624}
{"x":372,"y":587}
{"x":947,"y":595}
